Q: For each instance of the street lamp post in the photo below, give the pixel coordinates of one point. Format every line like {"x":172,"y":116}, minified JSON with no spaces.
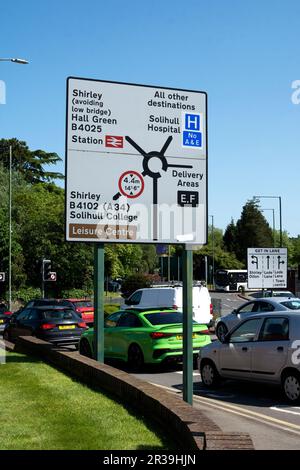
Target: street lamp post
{"x":273,"y":223}
{"x":9,"y":229}
{"x":280,"y":217}
{"x":213,"y":249}
{"x":16,"y":61}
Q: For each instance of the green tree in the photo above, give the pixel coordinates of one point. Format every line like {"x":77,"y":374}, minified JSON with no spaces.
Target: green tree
{"x":229,"y":237}
{"x":252,"y":230}
{"x":30,"y":163}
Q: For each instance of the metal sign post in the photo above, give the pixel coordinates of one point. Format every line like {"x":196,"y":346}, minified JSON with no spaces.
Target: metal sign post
{"x":188,"y":325}
{"x":99,"y":301}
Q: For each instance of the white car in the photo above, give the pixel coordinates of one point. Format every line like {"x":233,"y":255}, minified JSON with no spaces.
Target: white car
{"x":265,"y":304}
{"x":172,"y":297}
{"x":264,"y":348}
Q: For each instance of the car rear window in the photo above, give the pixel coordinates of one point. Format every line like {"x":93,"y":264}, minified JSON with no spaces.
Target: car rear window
{"x":43,"y":303}
{"x":164,"y":318}
{"x":64,"y":314}
{"x":292,"y":304}
{"x":83,"y":303}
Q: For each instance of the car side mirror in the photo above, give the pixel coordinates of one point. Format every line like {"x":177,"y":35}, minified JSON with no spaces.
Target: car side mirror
{"x":225,"y":339}
{"x":235,"y":311}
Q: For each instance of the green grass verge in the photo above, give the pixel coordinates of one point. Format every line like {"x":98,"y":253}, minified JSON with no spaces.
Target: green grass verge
{"x":111,"y":308}
{"x":44,"y":409}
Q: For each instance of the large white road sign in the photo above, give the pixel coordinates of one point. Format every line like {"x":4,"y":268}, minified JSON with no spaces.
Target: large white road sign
{"x":267,"y":268}
{"x":136,"y":163}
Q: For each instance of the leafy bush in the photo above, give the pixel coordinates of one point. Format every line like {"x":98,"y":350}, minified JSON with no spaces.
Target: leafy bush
{"x":26,"y":294}
{"x":76,"y":294}
{"x":134,"y":282}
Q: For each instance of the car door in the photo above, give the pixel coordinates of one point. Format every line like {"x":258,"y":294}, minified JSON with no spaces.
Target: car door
{"x":30,"y":322}
{"x":247,"y":310}
{"x":235,"y":356}
{"x":109,"y":330}
{"x":18,"y":327}
{"x":123,"y":335}
{"x":270,"y":352}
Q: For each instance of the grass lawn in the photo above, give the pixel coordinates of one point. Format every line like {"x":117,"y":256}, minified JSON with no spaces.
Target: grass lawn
{"x":44,"y":409}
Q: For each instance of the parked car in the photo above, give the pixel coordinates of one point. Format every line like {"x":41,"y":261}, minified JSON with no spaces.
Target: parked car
{"x":264,"y":304}
{"x":147,"y":335}
{"x":172,"y":297}
{"x":45,"y":303}
{"x":58,"y":325}
{"x":272,"y":293}
{"x":5,"y":316}
{"x":263,"y":348}
{"x":83,"y":307}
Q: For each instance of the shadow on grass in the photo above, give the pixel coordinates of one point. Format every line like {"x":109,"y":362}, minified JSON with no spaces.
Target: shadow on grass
{"x":12,"y":357}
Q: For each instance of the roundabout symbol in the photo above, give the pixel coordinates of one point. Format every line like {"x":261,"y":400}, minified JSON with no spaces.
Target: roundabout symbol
{"x":131,"y":184}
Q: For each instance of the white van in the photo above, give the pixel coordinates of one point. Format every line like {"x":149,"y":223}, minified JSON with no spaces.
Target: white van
{"x":172,"y":297}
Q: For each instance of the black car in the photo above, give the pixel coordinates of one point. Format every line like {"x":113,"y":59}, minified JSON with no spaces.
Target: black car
{"x":58,"y":325}
{"x":5,"y":316}
{"x":47,"y":302}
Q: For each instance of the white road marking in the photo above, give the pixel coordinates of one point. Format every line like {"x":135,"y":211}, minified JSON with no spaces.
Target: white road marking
{"x":245,"y":413}
{"x":181,"y":372}
{"x":282,"y":410}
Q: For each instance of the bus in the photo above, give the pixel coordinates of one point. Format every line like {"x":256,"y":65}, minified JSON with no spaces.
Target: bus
{"x":235,"y":280}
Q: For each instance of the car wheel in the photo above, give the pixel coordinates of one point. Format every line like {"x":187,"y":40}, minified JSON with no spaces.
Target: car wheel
{"x":291,"y":386}
{"x":135,"y":357}
{"x":209,"y":375}
{"x":221,"y":331}
{"x":6,"y":335}
{"x":85,"y":349}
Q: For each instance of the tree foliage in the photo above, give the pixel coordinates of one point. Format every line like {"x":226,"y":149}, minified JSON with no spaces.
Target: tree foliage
{"x":251,"y":230}
{"x":30,"y":163}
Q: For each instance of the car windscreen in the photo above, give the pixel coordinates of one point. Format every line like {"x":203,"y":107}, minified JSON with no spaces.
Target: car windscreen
{"x":292,"y":304}
{"x":57,"y":315}
{"x":83,"y":303}
{"x":164,"y":318}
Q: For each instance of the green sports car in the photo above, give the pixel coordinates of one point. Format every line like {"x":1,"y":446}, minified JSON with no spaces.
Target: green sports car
{"x":140,"y":336}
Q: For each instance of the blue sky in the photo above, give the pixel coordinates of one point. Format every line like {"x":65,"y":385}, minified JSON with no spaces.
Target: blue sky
{"x":245,"y":54}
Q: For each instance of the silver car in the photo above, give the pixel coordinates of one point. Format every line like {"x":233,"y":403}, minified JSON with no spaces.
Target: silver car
{"x":269,"y":304}
{"x":264,"y":348}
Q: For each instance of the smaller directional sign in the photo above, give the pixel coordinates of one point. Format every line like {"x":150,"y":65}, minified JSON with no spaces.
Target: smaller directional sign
{"x":267,"y":268}
{"x":2,"y":277}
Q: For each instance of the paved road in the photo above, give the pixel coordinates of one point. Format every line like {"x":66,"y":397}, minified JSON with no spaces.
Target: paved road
{"x":257,"y":409}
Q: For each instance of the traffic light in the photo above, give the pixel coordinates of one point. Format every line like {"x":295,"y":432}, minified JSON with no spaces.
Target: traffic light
{"x":46,"y":270}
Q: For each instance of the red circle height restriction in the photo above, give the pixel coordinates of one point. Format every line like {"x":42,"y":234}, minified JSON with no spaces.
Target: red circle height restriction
{"x":131,"y":184}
